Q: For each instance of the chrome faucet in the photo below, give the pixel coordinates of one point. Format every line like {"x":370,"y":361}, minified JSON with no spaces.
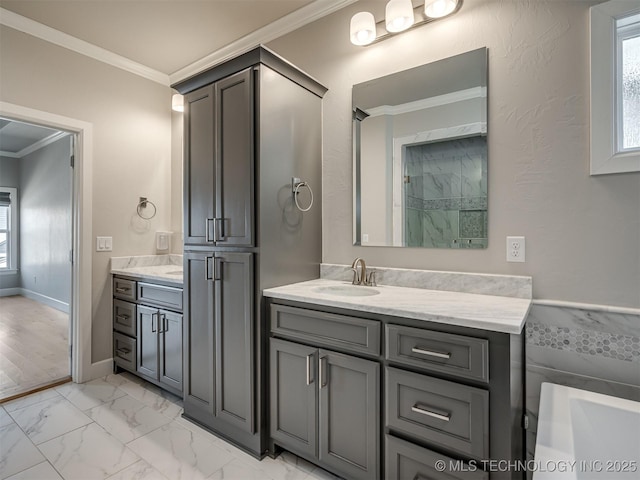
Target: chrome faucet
{"x":360,"y":277}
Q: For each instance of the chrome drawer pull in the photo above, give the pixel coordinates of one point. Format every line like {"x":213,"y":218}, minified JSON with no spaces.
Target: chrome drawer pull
{"x":123,"y":351}
{"x":439,"y":416}
{"x":122,"y":289}
{"x":422,"y":351}
{"x":122,"y":318}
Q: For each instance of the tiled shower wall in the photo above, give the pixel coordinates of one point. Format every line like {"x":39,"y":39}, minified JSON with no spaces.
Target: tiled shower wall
{"x":595,"y":350}
{"x":446,"y":193}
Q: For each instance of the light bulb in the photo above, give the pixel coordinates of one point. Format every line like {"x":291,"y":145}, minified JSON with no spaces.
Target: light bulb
{"x":439,"y":8}
{"x":363,"y":28}
{"x":398,"y":15}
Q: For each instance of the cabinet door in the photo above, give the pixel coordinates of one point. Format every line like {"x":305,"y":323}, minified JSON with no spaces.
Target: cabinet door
{"x":234,"y":369}
{"x":349,"y":415}
{"x":293,"y":396}
{"x":198,"y":336}
{"x":147,"y":361}
{"x":234,"y":160}
{"x":170,"y":349}
{"x":199,"y":166}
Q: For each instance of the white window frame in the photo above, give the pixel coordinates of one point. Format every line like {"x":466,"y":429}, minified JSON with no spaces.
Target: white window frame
{"x":12,"y":268}
{"x":622,"y":34}
{"x":605,"y":155}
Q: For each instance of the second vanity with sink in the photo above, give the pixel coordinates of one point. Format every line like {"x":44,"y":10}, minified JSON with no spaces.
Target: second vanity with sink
{"x":147,"y":318}
{"x":385,"y":381}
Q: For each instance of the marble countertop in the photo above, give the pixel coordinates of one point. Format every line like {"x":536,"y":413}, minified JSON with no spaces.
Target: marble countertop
{"x":165,"y":268}
{"x":486,"y":312}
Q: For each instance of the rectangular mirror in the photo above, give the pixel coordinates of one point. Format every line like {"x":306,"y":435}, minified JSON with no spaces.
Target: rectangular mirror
{"x":420,"y":156}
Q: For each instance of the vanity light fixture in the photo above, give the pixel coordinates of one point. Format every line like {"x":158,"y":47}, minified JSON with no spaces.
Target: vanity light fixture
{"x":363,"y":28}
{"x":400,"y":15}
{"x":177,"y":103}
{"x":439,"y":8}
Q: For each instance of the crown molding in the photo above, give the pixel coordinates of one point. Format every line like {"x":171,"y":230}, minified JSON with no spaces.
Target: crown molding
{"x":51,"y":35}
{"x":445,"y":99}
{"x":35,"y":146}
{"x":303,"y":16}
{"x":299,"y":18}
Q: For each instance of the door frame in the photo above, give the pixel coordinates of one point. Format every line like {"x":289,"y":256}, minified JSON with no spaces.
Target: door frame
{"x":82,"y":368}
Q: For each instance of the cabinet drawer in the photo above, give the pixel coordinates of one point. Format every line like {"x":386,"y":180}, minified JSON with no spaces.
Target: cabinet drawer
{"x":124,"y":351}
{"x":169,"y":297}
{"x":457,"y":355}
{"x":124,"y":317}
{"x":452,"y":415}
{"x":406,"y":461}
{"x":125,"y":289}
{"x":326,"y":329}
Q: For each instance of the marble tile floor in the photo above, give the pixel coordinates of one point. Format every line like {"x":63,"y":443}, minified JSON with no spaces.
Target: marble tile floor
{"x":121,"y":427}
{"x":34,"y":345}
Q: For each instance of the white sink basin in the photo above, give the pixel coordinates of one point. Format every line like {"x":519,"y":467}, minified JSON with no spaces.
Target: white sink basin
{"x":348,"y":290}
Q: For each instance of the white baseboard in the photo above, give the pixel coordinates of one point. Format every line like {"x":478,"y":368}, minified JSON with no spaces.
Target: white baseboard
{"x":38,"y":297}
{"x":8,"y":292}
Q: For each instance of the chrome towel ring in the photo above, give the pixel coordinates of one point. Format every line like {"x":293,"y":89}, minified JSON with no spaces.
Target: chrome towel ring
{"x":144,"y":203}
{"x":296,"y":184}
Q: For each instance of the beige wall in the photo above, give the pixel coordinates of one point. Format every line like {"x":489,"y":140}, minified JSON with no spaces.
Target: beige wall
{"x":582,"y":232}
{"x":131,"y":120}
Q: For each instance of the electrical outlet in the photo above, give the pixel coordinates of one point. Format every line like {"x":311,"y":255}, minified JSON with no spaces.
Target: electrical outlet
{"x":515,"y":249}
{"x":365,"y":238}
{"x":104,"y":244}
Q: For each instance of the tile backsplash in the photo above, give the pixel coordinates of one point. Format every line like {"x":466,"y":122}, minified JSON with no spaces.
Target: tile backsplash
{"x":591,"y":349}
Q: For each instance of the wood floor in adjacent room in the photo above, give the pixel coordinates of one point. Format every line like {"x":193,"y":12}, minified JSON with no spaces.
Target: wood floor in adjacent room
{"x":34,"y":345}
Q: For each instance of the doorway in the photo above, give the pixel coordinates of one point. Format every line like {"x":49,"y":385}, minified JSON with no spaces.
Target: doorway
{"x":36,"y":238}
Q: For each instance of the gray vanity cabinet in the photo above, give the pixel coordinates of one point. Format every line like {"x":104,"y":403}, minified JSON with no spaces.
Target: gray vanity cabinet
{"x":325,"y":405}
{"x":349,"y":414}
{"x":219,"y":339}
{"x":218,"y":134}
{"x":159,"y":346}
{"x":147,"y":324}
{"x":294,"y":399}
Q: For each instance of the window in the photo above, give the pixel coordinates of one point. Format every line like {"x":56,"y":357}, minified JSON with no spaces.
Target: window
{"x":615,"y":87}
{"x":8,"y":230}
{"x":628,"y":83}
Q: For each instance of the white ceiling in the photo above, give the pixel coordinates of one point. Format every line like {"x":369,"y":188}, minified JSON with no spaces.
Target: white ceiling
{"x":167,"y":36}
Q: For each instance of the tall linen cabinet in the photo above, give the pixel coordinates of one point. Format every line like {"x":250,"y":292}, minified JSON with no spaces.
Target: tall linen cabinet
{"x":251,"y":126}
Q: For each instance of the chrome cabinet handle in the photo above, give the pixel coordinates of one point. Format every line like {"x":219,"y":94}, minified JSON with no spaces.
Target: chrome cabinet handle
{"x":122,"y":318}
{"x":153,"y":327}
{"x":207,"y":237}
{"x":218,"y":230}
{"x":217,"y":269}
{"x":309,"y":380}
{"x":323,"y":372}
{"x":207,"y":269}
{"x":123,"y":351}
{"x":422,"y":351}
{"x":440,"y":416}
{"x":122,"y":289}
{"x":165,"y":323}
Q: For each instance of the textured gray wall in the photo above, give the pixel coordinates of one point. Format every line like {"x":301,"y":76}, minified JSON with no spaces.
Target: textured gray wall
{"x":582,"y":232}
{"x":10,"y":177}
{"x":131,"y":118}
{"x":45,"y":221}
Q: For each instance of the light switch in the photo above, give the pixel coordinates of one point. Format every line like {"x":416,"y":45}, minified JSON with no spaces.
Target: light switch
{"x":104,"y":244}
